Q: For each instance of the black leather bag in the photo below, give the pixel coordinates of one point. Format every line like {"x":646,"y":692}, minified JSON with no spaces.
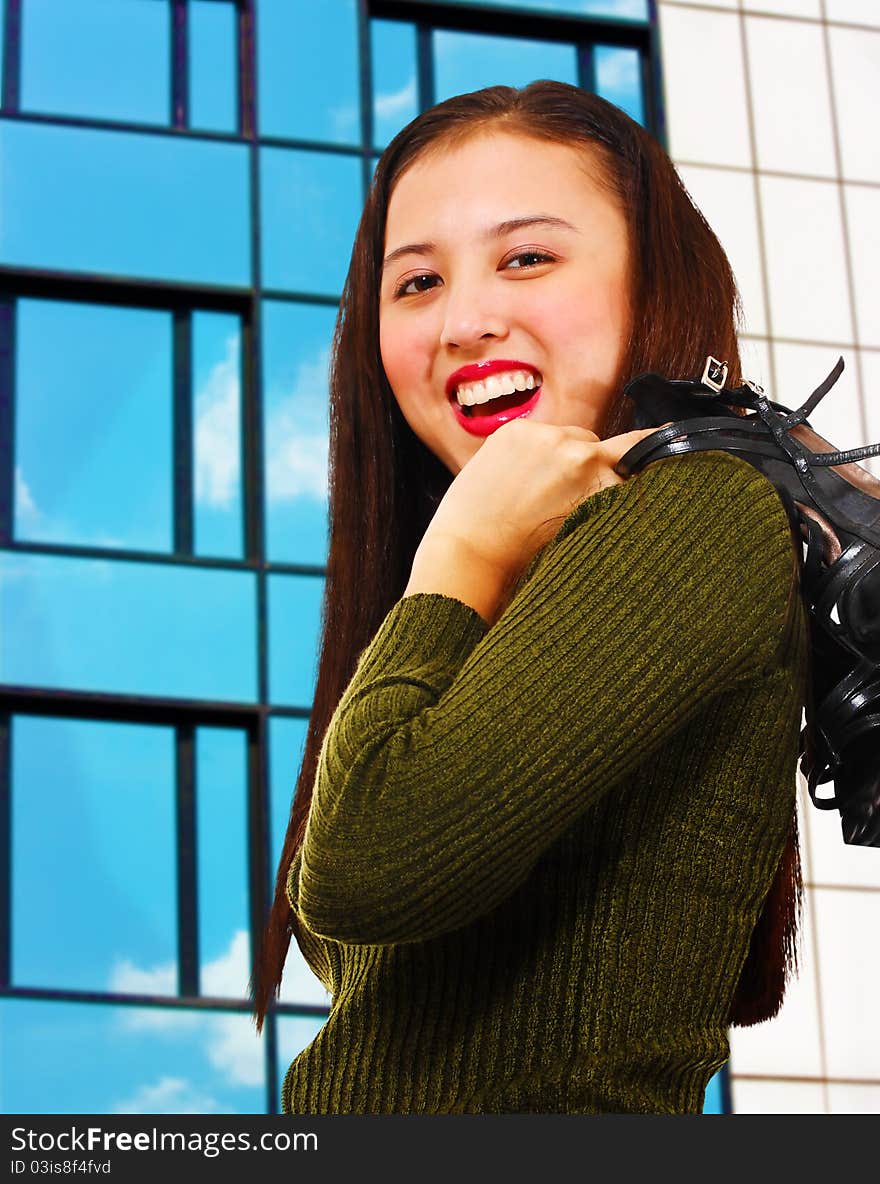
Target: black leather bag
{"x":836,"y":515}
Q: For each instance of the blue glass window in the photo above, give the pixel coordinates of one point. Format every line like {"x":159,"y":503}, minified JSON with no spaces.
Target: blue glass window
{"x":156,"y":207}
{"x":308,"y":70}
{"x":618,"y":79}
{"x":713,"y":1101}
{"x":127,"y":628}
{"x":469,"y":61}
{"x":213,"y":61}
{"x":296,"y":350}
{"x":93,"y":425}
{"x":625,"y":9}
{"x":217,"y":444}
{"x":89,"y":1058}
{"x":222,"y":866}
{"x":294,"y":625}
{"x":395,"y":89}
{"x":287,"y":741}
{"x":311,"y":204}
{"x":93,"y":878}
{"x":294,"y":1034}
{"x":93,"y":831}
{"x":102,"y":59}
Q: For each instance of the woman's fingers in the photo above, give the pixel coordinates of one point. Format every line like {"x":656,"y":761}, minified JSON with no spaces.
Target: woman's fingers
{"x":616,"y":446}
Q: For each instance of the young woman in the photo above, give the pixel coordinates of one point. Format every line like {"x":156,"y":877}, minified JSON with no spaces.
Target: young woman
{"x":542,"y":850}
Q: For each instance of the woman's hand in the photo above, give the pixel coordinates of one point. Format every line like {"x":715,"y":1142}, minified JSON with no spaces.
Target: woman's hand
{"x":507,"y":502}
{"x":512,"y":496}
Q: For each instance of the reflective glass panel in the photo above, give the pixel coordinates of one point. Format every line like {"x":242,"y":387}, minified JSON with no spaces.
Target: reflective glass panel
{"x":222,"y":866}
{"x":713,"y":1103}
{"x":309,"y":86}
{"x":94,"y":873}
{"x":102,"y":59}
{"x":91,"y":1058}
{"x":294,"y":1034}
{"x":160,"y":207}
{"x":299,"y":985}
{"x":216,"y":387}
{"x":618,"y":79}
{"x":296,"y":350}
{"x":395,"y":91}
{"x":93,"y":425}
{"x":294,"y":623}
{"x":625,"y":9}
{"x":469,"y":61}
{"x":127,"y":628}
{"x":213,"y":73}
{"x":311,"y":203}
{"x":287,"y":741}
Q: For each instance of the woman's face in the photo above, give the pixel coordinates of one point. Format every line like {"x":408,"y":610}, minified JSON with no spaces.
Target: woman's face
{"x":505,"y":287}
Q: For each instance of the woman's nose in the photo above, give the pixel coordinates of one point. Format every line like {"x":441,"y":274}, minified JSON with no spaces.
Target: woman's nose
{"x":469,"y":317}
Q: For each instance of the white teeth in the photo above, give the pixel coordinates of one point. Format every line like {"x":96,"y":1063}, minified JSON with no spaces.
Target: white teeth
{"x":496,"y":385}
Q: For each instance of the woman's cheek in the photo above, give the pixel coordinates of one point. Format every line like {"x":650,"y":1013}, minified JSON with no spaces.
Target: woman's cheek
{"x":403,"y":359}
{"x":599,"y":330}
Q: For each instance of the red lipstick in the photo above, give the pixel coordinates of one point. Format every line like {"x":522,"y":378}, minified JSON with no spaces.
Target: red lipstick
{"x":477,"y":371}
{"x":480,"y":420}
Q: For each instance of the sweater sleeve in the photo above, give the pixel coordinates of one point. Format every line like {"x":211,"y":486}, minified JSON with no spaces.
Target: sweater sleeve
{"x":458,"y":753}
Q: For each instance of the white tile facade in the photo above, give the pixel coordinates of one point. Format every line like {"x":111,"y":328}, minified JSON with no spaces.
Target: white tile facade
{"x":857,"y":12}
{"x":855,"y":71}
{"x":790,"y":96}
{"x":806,"y":264}
{"x":863,"y":219}
{"x":727,"y":199}
{"x":708,"y":119}
{"x":779,"y":1097}
{"x":780,"y":150}
{"x":785,"y":7}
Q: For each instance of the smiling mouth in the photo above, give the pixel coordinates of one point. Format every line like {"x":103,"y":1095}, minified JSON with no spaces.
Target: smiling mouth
{"x":499,"y":403}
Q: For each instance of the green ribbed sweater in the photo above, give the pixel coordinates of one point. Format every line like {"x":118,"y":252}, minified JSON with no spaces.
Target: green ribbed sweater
{"x":536,"y":851}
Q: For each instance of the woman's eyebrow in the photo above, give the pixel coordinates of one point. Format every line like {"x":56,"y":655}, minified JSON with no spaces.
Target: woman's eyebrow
{"x":498,"y":231}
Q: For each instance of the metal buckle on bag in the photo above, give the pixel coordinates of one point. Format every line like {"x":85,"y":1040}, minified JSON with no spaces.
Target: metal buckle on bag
{"x":714,"y":374}
{"x":754,"y":387}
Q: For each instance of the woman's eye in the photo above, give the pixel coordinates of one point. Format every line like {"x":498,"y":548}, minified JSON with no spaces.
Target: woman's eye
{"x":527,"y":259}
{"x":416,"y":284}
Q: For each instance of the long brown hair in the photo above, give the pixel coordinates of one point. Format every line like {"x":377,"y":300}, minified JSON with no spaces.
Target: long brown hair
{"x":385,"y":485}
